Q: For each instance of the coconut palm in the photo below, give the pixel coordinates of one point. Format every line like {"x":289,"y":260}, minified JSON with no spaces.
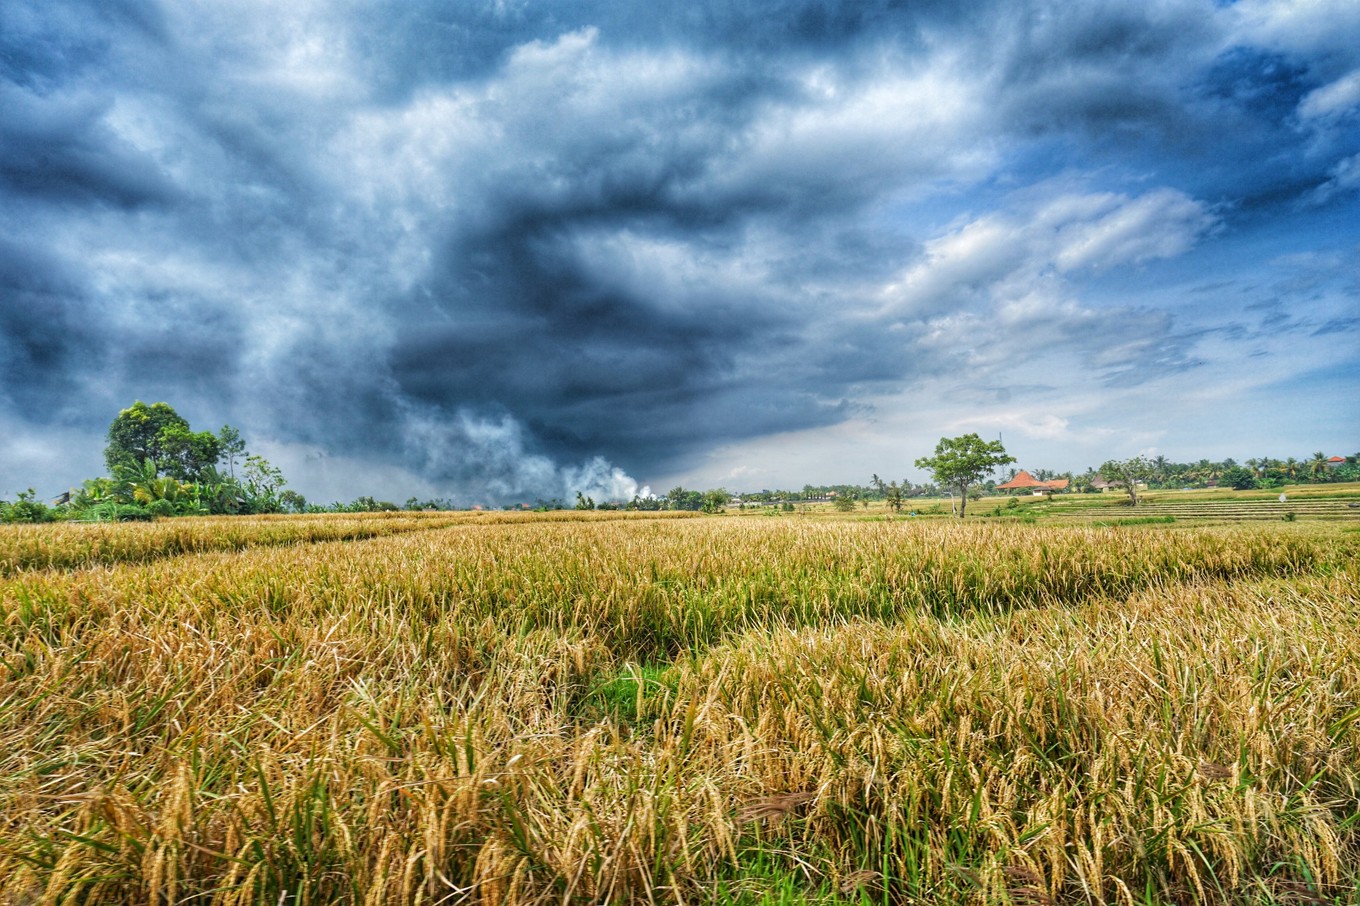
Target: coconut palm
{"x":1317,"y":466}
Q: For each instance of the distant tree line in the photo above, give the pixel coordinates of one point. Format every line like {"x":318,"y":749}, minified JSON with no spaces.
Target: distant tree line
{"x":1261,"y":472}
{"x":964,"y":469}
{"x":160,"y":467}
{"x":677,"y":498}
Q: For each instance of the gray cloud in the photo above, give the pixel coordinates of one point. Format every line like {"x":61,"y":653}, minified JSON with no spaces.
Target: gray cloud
{"x":46,"y":336}
{"x":508,"y":248}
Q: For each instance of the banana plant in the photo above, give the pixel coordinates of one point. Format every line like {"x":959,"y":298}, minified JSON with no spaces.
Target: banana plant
{"x":217,"y":493}
{"x":142,"y":484}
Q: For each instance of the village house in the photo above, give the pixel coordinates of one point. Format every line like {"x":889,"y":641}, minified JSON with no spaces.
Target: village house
{"x":1023,"y":481}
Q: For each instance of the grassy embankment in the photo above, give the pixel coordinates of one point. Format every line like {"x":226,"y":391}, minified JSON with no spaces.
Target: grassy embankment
{"x":512,"y":709}
{"x":1304,"y":501}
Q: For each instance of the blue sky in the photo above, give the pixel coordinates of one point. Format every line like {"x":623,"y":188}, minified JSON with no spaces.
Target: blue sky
{"x":499,"y":250}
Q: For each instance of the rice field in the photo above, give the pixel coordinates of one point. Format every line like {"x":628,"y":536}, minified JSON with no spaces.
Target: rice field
{"x":553,"y":708}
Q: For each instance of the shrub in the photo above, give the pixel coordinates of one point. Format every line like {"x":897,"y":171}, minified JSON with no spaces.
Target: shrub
{"x":133,"y":514}
{"x":26,"y":509}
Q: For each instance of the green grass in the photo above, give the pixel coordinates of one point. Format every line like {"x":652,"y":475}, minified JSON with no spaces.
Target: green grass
{"x":633,"y":696}
{"x":1143,"y":520}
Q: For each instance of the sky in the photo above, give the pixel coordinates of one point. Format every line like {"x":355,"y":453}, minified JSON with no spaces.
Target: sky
{"x":496,"y":250}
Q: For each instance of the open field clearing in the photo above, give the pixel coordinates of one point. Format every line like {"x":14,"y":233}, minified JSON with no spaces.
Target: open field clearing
{"x":520,"y":709}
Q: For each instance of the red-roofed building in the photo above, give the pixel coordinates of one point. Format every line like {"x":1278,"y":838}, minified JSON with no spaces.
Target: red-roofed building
{"x":1336,"y":462}
{"x":1024,"y":481}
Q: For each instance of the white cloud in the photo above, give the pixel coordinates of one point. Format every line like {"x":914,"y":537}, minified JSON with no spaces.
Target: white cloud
{"x":1163,"y":223}
{"x":1343,"y":177}
{"x":1006,"y":256}
{"x":299,"y":49}
{"x":1333,"y":99}
{"x":676,"y":273}
{"x":1031,"y":421}
{"x":1297,"y":26}
{"x":961,"y":264}
{"x":903,"y":123}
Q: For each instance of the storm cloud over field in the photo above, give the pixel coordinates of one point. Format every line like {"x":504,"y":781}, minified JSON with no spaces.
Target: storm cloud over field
{"x":495,"y":250}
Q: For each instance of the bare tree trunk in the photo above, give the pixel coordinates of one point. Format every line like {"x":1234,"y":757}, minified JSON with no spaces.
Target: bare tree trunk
{"x":963,"y":500}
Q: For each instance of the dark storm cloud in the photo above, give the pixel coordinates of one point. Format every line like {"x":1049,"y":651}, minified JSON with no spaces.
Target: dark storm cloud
{"x":48,"y":338}
{"x":490,"y":242}
{"x":512,"y":316}
{"x":63,"y":342}
{"x":1104,"y":69}
{"x":563,"y":349}
{"x":57,"y":149}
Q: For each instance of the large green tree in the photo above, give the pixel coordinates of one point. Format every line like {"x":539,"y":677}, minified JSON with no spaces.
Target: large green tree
{"x":158,"y":435}
{"x":715,"y":500}
{"x":1239,"y":479}
{"x":680,"y":499}
{"x":963,"y":461}
{"x":134,"y":436}
{"x":1127,"y":473}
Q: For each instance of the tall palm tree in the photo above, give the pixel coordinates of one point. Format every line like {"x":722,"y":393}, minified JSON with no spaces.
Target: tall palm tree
{"x":1317,"y":466}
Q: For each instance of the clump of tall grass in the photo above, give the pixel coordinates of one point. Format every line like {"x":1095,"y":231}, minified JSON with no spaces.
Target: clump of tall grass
{"x":945,"y":712}
{"x":1195,"y":745}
